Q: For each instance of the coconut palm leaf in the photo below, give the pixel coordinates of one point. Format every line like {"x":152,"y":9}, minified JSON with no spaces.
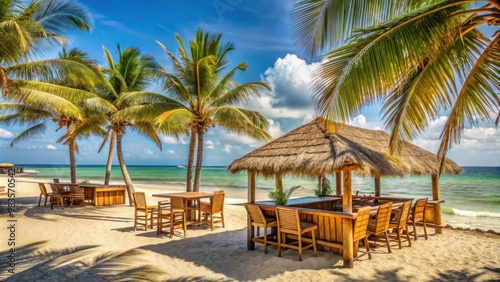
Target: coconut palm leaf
{"x":242,"y":121}
{"x":29,"y":133}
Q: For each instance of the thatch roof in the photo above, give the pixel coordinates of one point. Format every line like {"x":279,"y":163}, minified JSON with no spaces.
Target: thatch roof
{"x":313,"y":150}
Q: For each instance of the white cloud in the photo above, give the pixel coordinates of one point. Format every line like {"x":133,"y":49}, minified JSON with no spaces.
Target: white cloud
{"x":6,"y":134}
{"x":172,"y":140}
{"x":290,"y":97}
{"x":51,"y":147}
{"x":227,"y":149}
{"x":359,"y":121}
{"x":209,"y":145}
{"x":147,"y":152}
{"x":171,"y":152}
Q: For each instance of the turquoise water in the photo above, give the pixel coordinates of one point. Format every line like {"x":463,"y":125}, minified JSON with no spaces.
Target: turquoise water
{"x":472,"y":198}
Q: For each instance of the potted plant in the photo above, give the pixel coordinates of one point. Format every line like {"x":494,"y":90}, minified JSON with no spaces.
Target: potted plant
{"x":281,"y":197}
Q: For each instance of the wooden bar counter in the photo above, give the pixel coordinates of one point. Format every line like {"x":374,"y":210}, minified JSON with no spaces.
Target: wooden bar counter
{"x":102,"y":195}
{"x":317,"y":210}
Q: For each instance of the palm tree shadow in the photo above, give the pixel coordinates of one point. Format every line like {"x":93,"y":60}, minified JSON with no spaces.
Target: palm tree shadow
{"x":239,"y":263}
{"x":36,"y":263}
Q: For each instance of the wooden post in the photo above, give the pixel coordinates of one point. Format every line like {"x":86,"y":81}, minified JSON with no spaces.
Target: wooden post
{"x":251,"y":199}
{"x":320,"y":184}
{"x":338,"y":182}
{"x":377,"y":186}
{"x":279,"y":182}
{"x":348,"y":250}
{"x":438,"y":220}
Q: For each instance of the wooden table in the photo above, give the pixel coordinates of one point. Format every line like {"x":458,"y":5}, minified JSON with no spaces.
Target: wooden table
{"x":186,"y":196}
{"x":102,"y":195}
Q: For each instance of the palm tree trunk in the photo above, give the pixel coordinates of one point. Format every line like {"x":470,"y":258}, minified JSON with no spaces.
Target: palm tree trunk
{"x":199,"y":161}
{"x":126,"y":176}
{"x":110,"y":157}
{"x":72,"y":162}
{"x":192,"y":144}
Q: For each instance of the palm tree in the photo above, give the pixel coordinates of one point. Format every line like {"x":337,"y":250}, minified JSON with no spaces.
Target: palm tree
{"x":418,"y":58}
{"x":206,"y":97}
{"x":131,"y":74}
{"x":29,"y":29}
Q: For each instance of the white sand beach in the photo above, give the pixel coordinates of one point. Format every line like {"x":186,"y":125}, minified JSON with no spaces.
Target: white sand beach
{"x":98,"y":244}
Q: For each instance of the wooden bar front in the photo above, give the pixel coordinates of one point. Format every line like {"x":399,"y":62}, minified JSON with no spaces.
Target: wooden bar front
{"x":318,"y":210}
{"x":102,"y":195}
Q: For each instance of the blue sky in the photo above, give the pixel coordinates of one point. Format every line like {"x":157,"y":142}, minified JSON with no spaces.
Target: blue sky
{"x":261,"y":32}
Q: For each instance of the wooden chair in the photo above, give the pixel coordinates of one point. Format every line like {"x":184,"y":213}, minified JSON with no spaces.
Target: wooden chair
{"x":143,"y":212}
{"x":77,"y":193}
{"x":177,"y":215}
{"x":399,"y":224}
{"x":57,"y":196}
{"x":44,"y":193}
{"x":381,"y":224}
{"x":258,"y":219}
{"x":289,"y":224}
{"x":360,"y":231}
{"x":417,"y":217}
{"x":216,"y":206}
{"x":163,"y":216}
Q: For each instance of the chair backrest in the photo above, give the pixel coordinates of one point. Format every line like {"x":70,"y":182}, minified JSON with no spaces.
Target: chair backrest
{"x":418,"y":213}
{"x":288,"y":220}
{"x":402,"y":217}
{"x":383,"y":217}
{"x":139,"y":200}
{"x":54,"y":188}
{"x":361,"y":223}
{"x":218,"y":201}
{"x":76,"y":189}
{"x":176,"y":204}
{"x":43,"y":190}
{"x":255,"y":213}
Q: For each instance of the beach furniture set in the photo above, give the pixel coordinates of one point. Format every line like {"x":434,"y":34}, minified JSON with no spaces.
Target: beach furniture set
{"x":312,"y":222}
{"x":93,"y":194}
{"x":180,"y":209}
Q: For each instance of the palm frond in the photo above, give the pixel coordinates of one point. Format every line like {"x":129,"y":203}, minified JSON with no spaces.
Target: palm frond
{"x":477,"y":99}
{"x":242,"y":121}
{"x":29,"y":133}
{"x":147,"y":130}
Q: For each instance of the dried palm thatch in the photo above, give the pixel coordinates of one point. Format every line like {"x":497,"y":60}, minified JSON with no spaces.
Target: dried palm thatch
{"x":313,"y":150}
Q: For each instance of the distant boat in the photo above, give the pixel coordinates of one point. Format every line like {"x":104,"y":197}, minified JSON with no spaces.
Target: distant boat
{"x":181,"y":166}
{"x":31,"y":171}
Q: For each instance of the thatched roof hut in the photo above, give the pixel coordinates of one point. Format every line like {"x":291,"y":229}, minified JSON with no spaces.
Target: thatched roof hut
{"x":315,"y":150}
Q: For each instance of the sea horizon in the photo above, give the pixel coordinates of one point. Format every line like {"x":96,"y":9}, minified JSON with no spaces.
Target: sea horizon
{"x":472,"y":199}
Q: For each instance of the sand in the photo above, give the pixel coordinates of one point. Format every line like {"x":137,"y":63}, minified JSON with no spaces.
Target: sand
{"x":98,"y":244}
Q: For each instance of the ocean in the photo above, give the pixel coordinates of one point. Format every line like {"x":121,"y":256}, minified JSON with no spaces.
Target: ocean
{"x":472,"y":199}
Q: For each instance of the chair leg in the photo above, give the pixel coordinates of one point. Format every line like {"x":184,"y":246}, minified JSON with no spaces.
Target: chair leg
{"x":415,"y":231}
{"x":222,"y":216}
{"x":300,"y":247}
{"x":367,"y":246}
{"x":46,"y":200}
{"x":387,"y":241}
{"x":212,"y":221}
{"x":135,"y":220}
{"x":314,"y":243}
{"x":425,"y":231}
{"x":407,"y":235}
{"x":399,"y":237}
{"x":184,"y":224}
{"x":279,"y":244}
{"x":40,"y":199}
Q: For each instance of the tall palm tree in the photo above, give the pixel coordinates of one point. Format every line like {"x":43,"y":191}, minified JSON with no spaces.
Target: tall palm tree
{"x":131,"y":73}
{"x":206,"y":97}
{"x":418,"y":58}
{"x":27,"y":29}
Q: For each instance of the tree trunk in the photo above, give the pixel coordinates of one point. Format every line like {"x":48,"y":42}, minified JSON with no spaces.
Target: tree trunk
{"x":126,"y":176}
{"x":192,"y":144}
{"x":110,"y":157}
{"x":199,"y":161}
{"x":72,"y":162}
